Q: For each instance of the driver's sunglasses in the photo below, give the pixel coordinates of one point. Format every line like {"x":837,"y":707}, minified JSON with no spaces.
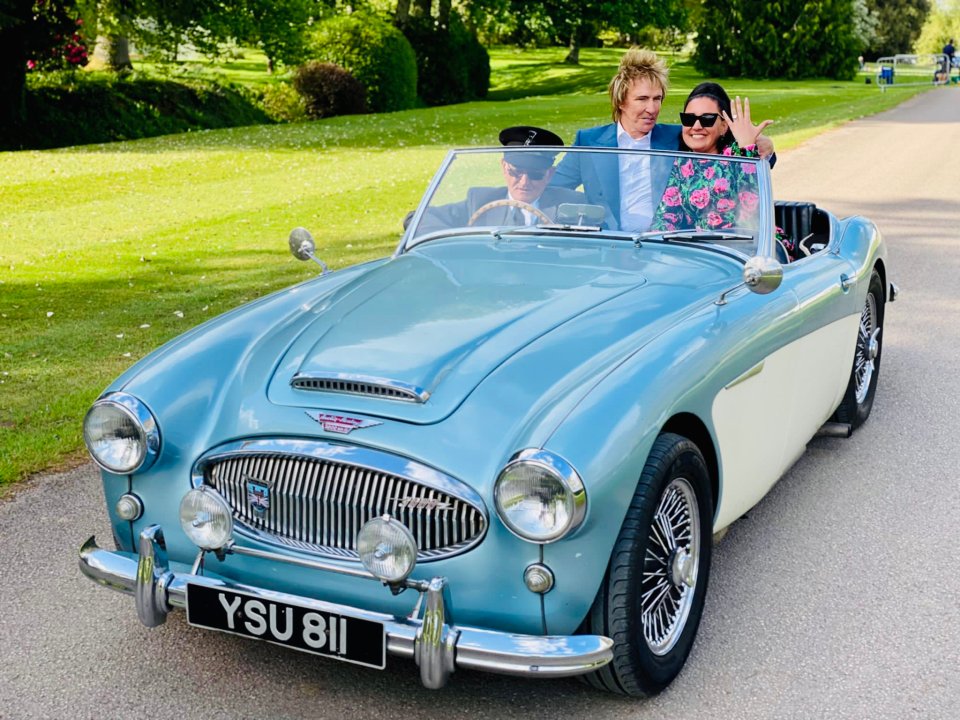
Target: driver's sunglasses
{"x":706,"y":120}
{"x":516,"y":173}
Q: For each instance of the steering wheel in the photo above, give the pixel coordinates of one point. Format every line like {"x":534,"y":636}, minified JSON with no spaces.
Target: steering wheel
{"x":509,"y":202}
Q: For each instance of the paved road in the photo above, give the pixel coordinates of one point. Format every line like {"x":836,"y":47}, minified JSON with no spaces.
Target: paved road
{"x":838,"y":597}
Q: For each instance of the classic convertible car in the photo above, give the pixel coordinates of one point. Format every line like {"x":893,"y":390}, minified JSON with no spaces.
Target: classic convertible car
{"x":509,"y":446}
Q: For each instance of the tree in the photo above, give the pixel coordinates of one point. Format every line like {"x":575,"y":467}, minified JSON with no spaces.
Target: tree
{"x":786,"y":39}
{"x":31,"y":31}
{"x":576,"y":23}
{"x":898,"y":26}
{"x":941,"y":25}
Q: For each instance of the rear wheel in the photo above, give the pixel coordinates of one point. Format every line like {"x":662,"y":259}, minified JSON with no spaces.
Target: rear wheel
{"x":862,"y":388}
{"x":653,"y":594}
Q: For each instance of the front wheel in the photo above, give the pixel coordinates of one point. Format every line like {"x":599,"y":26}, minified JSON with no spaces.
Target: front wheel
{"x":862,"y":388}
{"x":653,"y":594}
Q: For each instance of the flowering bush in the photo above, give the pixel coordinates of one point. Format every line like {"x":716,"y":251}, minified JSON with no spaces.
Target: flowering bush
{"x":56,"y":39}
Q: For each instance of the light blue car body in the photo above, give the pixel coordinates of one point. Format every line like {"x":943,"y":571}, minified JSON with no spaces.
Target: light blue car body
{"x":582,"y":344}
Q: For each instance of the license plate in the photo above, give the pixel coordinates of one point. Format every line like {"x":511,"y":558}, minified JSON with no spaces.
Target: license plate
{"x":325,"y":633}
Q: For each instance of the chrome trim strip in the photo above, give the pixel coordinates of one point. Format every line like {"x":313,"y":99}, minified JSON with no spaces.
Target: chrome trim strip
{"x":365,"y":385}
{"x":755,"y":370}
{"x":400,"y":487}
{"x":452,"y":647}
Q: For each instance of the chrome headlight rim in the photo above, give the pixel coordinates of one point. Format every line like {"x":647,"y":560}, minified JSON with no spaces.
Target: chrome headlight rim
{"x":147,"y":429}
{"x":568,"y":478}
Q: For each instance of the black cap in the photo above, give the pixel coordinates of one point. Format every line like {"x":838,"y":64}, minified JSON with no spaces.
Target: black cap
{"x":529,"y":136}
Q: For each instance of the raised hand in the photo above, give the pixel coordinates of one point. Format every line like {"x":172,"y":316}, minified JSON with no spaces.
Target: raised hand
{"x":741,"y":125}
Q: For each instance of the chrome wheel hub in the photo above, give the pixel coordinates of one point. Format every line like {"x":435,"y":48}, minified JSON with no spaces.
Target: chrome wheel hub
{"x":670,"y":566}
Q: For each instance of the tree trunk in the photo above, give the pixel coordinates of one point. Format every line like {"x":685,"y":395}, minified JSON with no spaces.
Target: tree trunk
{"x":403,"y":12}
{"x":117,"y":51}
{"x":423,"y":7}
{"x":13,"y":70}
{"x":573,"y":56}
{"x":443,"y":13}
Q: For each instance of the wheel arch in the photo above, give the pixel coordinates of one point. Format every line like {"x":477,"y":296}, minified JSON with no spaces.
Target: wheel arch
{"x":881,"y":268}
{"x":692,"y":427}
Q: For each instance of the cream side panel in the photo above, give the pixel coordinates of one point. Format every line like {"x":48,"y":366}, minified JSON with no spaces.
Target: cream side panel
{"x":764,"y":418}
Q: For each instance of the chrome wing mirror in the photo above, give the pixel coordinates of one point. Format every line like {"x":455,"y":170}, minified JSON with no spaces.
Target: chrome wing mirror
{"x":302,"y":247}
{"x":761,"y":274}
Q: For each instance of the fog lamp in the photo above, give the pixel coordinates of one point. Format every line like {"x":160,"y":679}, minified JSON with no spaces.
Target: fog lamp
{"x":129,"y":507}
{"x":206,"y":518}
{"x":387,"y":549}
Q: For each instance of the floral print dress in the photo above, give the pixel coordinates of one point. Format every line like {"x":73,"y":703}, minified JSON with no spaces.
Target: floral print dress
{"x":710,"y":194}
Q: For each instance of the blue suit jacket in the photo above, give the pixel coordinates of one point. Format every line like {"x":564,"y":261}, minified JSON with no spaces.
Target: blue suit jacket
{"x":600,"y":173}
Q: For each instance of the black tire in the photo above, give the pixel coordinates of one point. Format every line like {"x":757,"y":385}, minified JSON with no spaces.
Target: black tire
{"x":647,"y":658}
{"x":862,"y":389}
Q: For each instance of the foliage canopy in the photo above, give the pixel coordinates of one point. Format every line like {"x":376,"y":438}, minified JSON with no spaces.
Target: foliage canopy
{"x":790,"y":39}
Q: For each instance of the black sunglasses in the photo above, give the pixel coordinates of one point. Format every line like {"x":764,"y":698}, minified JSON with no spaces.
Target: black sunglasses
{"x":517,"y":173}
{"x":706,"y":120}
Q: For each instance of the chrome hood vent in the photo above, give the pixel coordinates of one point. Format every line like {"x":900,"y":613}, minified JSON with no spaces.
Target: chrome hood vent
{"x":315,"y":496}
{"x":359,"y":385}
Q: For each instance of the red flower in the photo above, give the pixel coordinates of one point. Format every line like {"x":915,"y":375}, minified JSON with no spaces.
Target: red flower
{"x":709,"y":173}
{"x":721,"y":186}
{"x":713,"y":219}
{"x":686,"y":169}
{"x":749,"y":201}
{"x":725,"y":204}
{"x":699,"y":198}
{"x":672,"y":197}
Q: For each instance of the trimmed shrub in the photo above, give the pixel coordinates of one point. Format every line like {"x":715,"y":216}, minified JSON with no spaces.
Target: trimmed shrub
{"x":76,"y":109}
{"x":283,"y":103}
{"x":375,"y":53}
{"x":329,"y":90}
{"x":452,"y":65}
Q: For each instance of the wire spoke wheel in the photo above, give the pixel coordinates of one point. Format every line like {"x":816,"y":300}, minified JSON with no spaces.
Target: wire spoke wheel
{"x":670,"y":566}
{"x":867,"y":347}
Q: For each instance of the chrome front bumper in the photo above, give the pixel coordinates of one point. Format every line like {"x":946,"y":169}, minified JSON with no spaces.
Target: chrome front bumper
{"x":436,"y":644}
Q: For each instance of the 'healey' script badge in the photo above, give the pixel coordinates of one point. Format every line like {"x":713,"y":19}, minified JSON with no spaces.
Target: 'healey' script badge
{"x":341,"y":423}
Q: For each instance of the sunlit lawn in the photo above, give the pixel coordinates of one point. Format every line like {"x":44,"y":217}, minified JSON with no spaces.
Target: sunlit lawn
{"x":107,"y":251}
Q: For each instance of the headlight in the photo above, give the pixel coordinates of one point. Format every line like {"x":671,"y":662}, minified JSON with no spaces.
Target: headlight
{"x":121,"y":434}
{"x":539,"y":496}
{"x":387,"y":549}
{"x":206,"y":518}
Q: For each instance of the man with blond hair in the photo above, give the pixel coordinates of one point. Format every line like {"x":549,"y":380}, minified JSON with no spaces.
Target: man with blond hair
{"x":626,"y":185}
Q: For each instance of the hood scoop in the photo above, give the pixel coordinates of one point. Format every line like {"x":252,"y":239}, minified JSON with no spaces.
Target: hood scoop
{"x":360,"y":385}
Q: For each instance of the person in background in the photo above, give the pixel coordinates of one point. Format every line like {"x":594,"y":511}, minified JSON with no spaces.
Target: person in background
{"x":629,"y":187}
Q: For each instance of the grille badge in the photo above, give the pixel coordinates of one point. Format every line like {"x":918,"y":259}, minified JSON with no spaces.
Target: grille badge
{"x":341,"y":424}
{"x":258,"y":495}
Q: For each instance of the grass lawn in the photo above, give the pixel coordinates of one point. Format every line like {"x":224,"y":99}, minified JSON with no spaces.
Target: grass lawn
{"x":106,"y":251}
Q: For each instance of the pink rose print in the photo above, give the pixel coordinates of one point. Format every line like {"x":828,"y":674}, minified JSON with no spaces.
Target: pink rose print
{"x":749,"y":201}
{"x":709,"y":173}
{"x":725,"y":204}
{"x":713,"y":219}
{"x":686,"y":169}
{"x":700,"y":198}
{"x":721,"y":186}
{"x":670,"y":217}
{"x":672,"y":197}
{"x":749,"y":169}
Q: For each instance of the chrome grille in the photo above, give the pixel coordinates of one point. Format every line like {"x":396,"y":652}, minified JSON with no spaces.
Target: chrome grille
{"x":319,"y":505}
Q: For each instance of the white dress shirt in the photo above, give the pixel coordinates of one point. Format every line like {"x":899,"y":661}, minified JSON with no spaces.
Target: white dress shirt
{"x":636,"y":193}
